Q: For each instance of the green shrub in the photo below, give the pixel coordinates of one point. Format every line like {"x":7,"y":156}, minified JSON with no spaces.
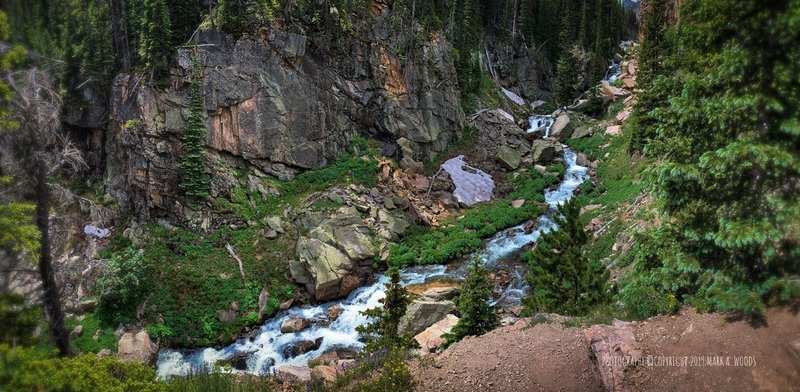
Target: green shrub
{"x":21,"y":369}
{"x":472,"y":302}
{"x":92,"y":325}
{"x":123,"y":287}
{"x":643,"y":300}
{"x":222,"y":382}
{"x":18,"y":321}
{"x":562,"y":279}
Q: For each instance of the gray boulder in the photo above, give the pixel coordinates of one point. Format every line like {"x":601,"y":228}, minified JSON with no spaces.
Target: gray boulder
{"x":421,"y":314}
{"x":545,"y":150}
{"x":137,"y":347}
{"x":562,"y":128}
{"x":508,"y":157}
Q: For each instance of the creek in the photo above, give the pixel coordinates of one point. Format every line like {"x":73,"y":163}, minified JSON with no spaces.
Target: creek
{"x":270,"y":348}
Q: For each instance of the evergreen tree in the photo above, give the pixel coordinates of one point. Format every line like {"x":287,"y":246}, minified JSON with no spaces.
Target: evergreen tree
{"x":386,"y":319}
{"x":651,"y":63}
{"x":562,"y":278}
{"x":728,"y":133}
{"x":477,"y":316}
{"x":186,"y":16}
{"x":96,"y":51}
{"x":232,"y":16}
{"x":566,"y":75}
{"x":195,"y":181}
{"x":155,"y":40}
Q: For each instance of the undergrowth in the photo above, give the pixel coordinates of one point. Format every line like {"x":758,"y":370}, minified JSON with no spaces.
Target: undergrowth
{"x":464,"y":235}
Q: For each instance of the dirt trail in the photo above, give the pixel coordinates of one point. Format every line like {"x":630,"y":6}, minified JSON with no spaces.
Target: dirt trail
{"x":547,"y":357}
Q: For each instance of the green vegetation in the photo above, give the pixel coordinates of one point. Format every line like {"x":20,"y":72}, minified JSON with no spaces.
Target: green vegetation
{"x":194,"y":278}
{"x":563,"y":280}
{"x":18,"y":320}
{"x":92,"y":327}
{"x":725,"y":126}
{"x":24,"y":370}
{"x":383,"y":328}
{"x":123,"y":287}
{"x":464,"y":235}
{"x":195,"y":180}
{"x":191,"y":277}
{"x":477,"y":316}
{"x":359,"y":168}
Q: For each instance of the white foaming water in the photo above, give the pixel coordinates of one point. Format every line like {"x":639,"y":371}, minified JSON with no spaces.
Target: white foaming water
{"x":541,"y":122}
{"x":613,"y":72}
{"x":265,"y":352}
{"x":503,"y":244}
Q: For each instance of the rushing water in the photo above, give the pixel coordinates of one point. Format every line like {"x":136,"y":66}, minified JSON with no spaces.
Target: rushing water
{"x":613,"y":72}
{"x":541,"y":123}
{"x":267,"y":350}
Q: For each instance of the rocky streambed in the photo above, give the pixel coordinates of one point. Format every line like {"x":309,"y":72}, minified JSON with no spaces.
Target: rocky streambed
{"x":298,"y":335}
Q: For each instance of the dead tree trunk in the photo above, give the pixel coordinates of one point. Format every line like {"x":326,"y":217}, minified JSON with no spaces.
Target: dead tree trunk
{"x":51,"y":299}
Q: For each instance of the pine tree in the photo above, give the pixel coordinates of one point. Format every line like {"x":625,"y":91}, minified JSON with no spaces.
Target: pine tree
{"x":562,"y":279}
{"x":96,"y":51}
{"x":155,"y":47}
{"x":186,"y":15}
{"x":566,"y":76}
{"x":728,"y":133}
{"x":477,"y":316}
{"x":386,"y":318}
{"x":232,"y":16}
{"x":195,"y":181}
{"x":651,"y":64}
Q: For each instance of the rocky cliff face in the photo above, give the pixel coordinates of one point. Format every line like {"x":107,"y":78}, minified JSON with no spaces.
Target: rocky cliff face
{"x":278,"y":104}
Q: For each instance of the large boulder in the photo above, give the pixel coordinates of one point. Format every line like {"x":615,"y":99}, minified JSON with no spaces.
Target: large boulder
{"x":294,"y":374}
{"x":137,"y":347}
{"x":611,"y":92}
{"x":421,"y":314}
{"x":430,"y":339}
{"x":294,"y":349}
{"x":322,"y":267}
{"x":608,"y":344}
{"x":508,"y":157}
{"x":582,"y":131}
{"x":324,"y":374}
{"x":336,"y":256}
{"x":501,"y":140}
{"x":294,"y":324}
{"x":545,"y":150}
{"x":562,"y":128}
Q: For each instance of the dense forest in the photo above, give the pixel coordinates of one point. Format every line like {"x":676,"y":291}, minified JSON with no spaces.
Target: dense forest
{"x":240,"y":195}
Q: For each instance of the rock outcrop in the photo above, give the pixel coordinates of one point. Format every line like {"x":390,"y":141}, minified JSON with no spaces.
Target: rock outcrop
{"x":502,"y":144}
{"x":562,"y":128}
{"x":336,"y":256}
{"x":612,"y":348}
{"x":545,"y":150}
{"x":137,"y":347}
{"x":278,"y":104}
{"x":294,"y":374}
{"x":294,"y":324}
{"x":430,"y":339}
{"x":421,"y":314}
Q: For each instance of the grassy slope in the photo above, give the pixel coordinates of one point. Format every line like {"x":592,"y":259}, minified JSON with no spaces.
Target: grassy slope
{"x":191,"y":276}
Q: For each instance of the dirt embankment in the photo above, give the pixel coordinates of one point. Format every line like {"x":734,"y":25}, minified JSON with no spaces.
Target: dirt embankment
{"x":686,"y":352}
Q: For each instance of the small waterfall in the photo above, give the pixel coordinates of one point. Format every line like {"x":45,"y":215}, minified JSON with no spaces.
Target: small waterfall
{"x":541,"y":123}
{"x":267,"y":350}
{"x":613,"y":72}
